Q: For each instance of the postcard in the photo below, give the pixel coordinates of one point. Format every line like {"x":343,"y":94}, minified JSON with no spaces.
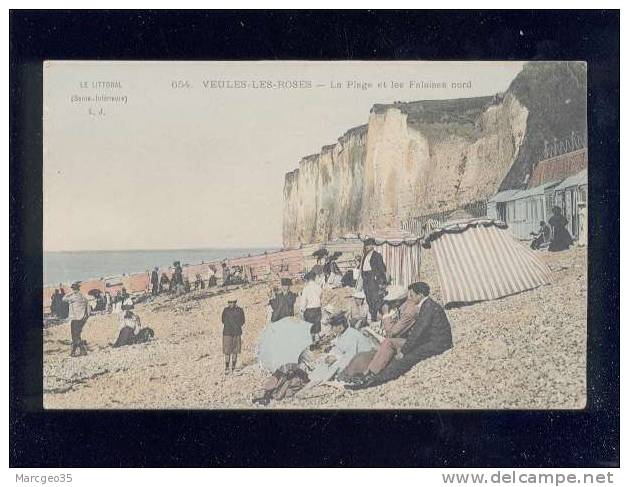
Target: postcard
{"x":315,"y":235}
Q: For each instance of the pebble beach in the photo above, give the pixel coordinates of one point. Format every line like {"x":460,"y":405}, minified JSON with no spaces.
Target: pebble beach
{"x":526,"y":351}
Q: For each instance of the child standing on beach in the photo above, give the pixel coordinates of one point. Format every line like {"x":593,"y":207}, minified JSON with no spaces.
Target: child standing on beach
{"x":233,"y":319}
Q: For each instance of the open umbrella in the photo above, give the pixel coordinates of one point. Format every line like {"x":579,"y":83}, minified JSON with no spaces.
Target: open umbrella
{"x":281,"y":342}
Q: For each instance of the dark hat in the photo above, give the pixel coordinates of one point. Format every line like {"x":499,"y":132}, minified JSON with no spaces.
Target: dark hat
{"x":338,"y":319}
{"x":369,"y":241}
{"x":76,"y":285}
{"x":286,"y":281}
{"x":320,"y":252}
{"x":420,"y":288}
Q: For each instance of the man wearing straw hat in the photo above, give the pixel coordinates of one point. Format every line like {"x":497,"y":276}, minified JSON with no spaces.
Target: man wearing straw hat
{"x":78,"y":314}
{"x":233,"y":319}
{"x":374,"y":276}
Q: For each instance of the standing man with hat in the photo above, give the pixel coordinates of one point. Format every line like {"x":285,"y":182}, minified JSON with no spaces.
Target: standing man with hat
{"x":233,"y":319}
{"x":283,"y":303}
{"x":374,"y":277}
{"x":78,"y":314}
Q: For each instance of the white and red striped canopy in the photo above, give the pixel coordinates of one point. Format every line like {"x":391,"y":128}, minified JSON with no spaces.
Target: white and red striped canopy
{"x":401,"y":252}
{"x":478,"y":260}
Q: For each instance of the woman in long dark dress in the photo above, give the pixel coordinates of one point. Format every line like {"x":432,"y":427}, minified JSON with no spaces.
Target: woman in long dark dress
{"x":561,"y":239}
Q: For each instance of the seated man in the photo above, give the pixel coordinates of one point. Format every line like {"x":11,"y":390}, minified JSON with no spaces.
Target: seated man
{"x":428,"y":335}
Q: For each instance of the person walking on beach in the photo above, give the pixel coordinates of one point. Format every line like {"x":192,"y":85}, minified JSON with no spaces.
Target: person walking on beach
{"x":164,"y":283}
{"x":177,"y":279}
{"x":311,"y":304}
{"x":155,"y":282}
{"x":78,"y":314}
{"x":233,"y":319}
{"x":374,"y":277}
{"x":108,"y":302}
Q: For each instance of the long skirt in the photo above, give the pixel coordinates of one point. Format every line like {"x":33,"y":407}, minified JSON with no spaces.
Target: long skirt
{"x":125,"y":337}
{"x":561,"y":240}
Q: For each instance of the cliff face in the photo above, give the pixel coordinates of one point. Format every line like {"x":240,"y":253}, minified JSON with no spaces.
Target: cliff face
{"x":412,"y":159}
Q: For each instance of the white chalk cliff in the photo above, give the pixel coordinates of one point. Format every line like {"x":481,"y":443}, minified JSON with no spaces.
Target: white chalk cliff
{"x":417,"y":158}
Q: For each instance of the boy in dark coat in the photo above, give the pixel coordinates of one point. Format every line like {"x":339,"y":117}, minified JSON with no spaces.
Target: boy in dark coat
{"x":233,"y":319}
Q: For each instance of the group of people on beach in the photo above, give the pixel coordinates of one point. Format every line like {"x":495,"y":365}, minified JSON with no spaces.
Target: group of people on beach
{"x":385,"y":331}
{"x":552,"y":235}
{"x":179,"y":284}
{"x":79,"y":310}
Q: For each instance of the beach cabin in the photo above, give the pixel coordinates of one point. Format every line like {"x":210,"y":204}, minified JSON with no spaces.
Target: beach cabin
{"x":568,"y":195}
{"x":497,"y":205}
{"x":522,"y":210}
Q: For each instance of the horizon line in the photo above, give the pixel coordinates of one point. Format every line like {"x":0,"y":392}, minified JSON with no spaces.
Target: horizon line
{"x":165,"y":249}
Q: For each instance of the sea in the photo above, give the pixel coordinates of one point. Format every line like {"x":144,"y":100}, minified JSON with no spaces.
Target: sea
{"x":65,"y":267}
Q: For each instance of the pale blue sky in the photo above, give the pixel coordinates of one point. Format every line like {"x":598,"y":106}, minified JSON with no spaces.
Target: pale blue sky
{"x":197,"y":167}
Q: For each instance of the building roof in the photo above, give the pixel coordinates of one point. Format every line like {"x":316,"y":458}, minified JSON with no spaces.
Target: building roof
{"x":503,"y":196}
{"x":516,"y":194}
{"x":559,"y":167}
{"x":579,"y":179}
{"x":536,"y":191}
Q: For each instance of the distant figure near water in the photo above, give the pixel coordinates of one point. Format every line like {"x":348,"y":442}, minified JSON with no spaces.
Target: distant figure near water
{"x":226,"y":274}
{"x":155,"y":282}
{"x":177,"y":285}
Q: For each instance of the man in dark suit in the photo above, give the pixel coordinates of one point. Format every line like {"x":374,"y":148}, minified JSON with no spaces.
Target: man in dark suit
{"x":429,"y":335}
{"x":374,"y":275}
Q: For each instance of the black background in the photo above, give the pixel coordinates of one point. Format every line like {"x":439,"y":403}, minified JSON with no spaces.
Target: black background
{"x":344,"y":438}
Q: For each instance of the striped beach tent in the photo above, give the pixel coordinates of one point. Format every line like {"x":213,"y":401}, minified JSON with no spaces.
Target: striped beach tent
{"x":401,"y":253}
{"x":478,"y":260}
